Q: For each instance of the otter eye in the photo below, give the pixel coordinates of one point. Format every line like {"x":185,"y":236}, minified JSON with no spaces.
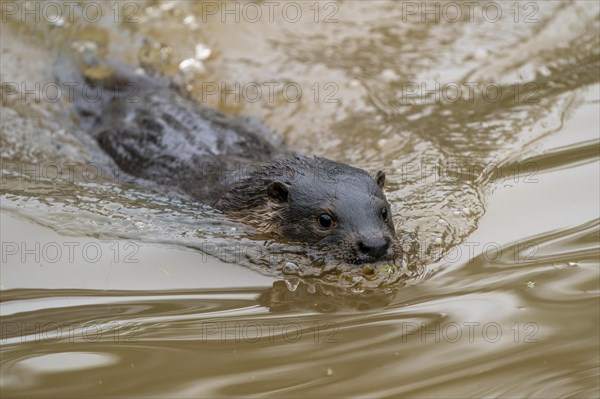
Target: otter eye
{"x":325,"y":220}
{"x":384,"y":214}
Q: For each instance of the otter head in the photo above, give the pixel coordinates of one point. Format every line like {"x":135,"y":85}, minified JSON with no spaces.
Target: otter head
{"x":333,"y":206}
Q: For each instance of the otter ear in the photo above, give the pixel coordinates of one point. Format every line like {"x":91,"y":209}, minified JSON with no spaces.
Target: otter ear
{"x":278,"y":192}
{"x":380,"y":178}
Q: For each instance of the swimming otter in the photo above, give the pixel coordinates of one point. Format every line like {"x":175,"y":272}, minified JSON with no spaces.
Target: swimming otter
{"x":236,"y":164}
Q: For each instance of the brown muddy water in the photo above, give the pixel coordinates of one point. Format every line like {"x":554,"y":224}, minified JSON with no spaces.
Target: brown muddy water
{"x":485,"y":116}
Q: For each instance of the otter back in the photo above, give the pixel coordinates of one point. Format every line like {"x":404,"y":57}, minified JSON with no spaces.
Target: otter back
{"x":154,"y":132}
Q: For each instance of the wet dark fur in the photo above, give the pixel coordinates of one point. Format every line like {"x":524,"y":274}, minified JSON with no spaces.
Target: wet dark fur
{"x":235,"y":164}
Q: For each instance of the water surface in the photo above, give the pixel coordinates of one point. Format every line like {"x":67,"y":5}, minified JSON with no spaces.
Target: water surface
{"x":109,"y":289}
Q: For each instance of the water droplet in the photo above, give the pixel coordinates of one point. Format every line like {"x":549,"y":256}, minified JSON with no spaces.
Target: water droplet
{"x":544,"y":71}
{"x":202,"y":52}
{"x":358,"y":287}
{"x":83,"y":46}
{"x":290,"y":268}
{"x":190,"y":21}
{"x":191,"y":65}
{"x":153,"y":11}
{"x":311,"y":289}
{"x":167,"y":6}
{"x":292,"y":285}
{"x":57,"y":21}
{"x":389,"y":75}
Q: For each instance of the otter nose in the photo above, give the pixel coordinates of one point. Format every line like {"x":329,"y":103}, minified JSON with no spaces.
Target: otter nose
{"x":374,"y":247}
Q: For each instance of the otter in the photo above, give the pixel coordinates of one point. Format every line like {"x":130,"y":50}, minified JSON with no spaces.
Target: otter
{"x":155,"y":132}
